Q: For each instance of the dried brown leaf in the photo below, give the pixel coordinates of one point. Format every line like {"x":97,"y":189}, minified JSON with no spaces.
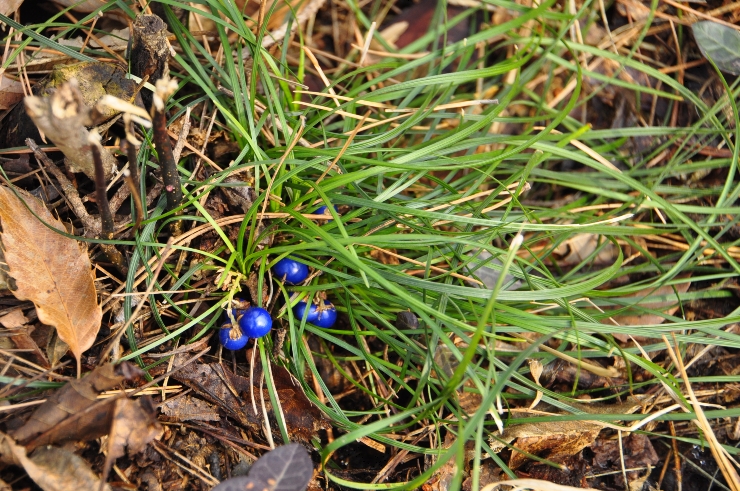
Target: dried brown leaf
{"x":134,"y":426}
{"x":50,"y":270}
{"x":7,"y":7}
{"x":233,"y":394}
{"x":11,"y":91}
{"x":188,"y":408}
{"x":71,"y":399}
{"x":53,"y":469}
{"x":14,"y":319}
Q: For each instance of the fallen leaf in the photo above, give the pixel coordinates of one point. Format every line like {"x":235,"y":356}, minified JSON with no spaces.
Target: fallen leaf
{"x":14,"y":319}
{"x":7,"y":7}
{"x":578,"y":248}
{"x":636,"y":452}
{"x":134,"y":426}
{"x":719,"y":43}
{"x":53,"y":469}
{"x":557,"y":440}
{"x":385,"y":257}
{"x":552,"y":440}
{"x":233,"y":394}
{"x":56,"y":349}
{"x":11,"y":91}
{"x":76,"y":396}
{"x":50,"y":270}
{"x":21,"y":339}
{"x":188,"y":408}
{"x":286,"y":468}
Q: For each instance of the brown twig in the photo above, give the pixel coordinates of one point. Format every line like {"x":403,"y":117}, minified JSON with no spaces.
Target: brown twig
{"x":107,"y":227}
{"x":163,"y":144}
{"x":133,"y":186}
{"x":101,"y":196}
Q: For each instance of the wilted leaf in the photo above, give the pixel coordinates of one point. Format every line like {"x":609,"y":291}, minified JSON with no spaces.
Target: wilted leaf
{"x":7,"y":7}
{"x":11,"y":91}
{"x":719,"y":43}
{"x":134,"y":425}
{"x":240,"y":484}
{"x":232,"y":393}
{"x":287,"y":468}
{"x":557,"y":440}
{"x":53,"y":469}
{"x":74,"y":397}
{"x":188,"y":408}
{"x":50,"y":270}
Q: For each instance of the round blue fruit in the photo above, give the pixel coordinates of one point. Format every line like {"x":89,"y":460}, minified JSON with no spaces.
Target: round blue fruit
{"x":327,"y":315}
{"x":322,"y":315}
{"x":290,"y":271}
{"x":324,"y":210}
{"x":232,"y":337}
{"x":256,"y":322}
{"x":300,"y":309}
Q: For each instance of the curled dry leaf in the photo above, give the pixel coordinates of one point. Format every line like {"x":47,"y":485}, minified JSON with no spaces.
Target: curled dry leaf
{"x":7,"y":7}
{"x":50,"y":270}
{"x":134,"y":425}
{"x":233,"y":393}
{"x":11,"y":92}
{"x":71,"y":399}
{"x":188,"y":408}
{"x":53,"y":469}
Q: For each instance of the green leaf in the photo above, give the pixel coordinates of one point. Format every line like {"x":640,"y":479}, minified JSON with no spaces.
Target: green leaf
{"x":719,"y":43}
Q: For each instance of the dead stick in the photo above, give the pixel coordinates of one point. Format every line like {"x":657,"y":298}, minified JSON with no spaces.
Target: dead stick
{"x":163,"y":144}
{"x":101,"y":197}
{"x":134,"y":188}
{"x":107,"y":226}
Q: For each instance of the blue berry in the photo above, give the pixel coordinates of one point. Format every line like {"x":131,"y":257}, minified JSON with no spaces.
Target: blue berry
{"x":300,"y":308}
{"x":232,"y":337}
{"x":324,"y":210}
{"x":256,"y":322}
{"x":290,"y":271}
{"x":324,"y":315}
{"x":327,"y":315}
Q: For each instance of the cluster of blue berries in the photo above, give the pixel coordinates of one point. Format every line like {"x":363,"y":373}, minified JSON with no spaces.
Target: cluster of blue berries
{"x":292,"y":272}
{"x":252,"y":322}
{"x":255,"y":322}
